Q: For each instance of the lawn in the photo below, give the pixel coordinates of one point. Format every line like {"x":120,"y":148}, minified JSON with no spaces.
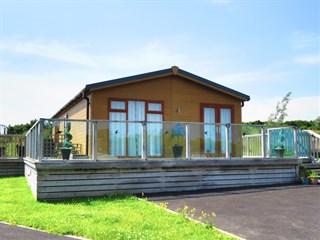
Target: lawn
{"x":112,"y":217}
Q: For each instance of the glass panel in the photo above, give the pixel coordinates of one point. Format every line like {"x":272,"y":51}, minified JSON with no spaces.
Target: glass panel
{"x":280,"y":142}
{"x":54,"y":137}
{"x":136,"y":112}
{"x":154,"y":135}
{"x":196,"y":140}
{"x":155,"y":107}
{"x":209,"y":130}
{"x":225,"y":117}
{"x":103,"y":144}
{"x":246,"y":141}
{"x":174,"y":140}
{"x":117,"y":134}
{"x":121,"y":105}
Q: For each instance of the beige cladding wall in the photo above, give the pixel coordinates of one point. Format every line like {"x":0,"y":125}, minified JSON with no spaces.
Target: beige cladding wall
{"x":78,"y":129}
{"x":175,"y":92}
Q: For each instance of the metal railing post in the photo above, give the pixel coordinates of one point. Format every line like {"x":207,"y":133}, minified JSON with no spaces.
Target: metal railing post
{"x":268,"y":143}
{"x":263,"y":142}
{"x":188,"y":141}
{"x":40,"y":140}
{"x":94,"y":140}
{"x":227,"y":126}
{"x":295,"y":140}
{"x":32,"y":142}
{"x":144,"y":141}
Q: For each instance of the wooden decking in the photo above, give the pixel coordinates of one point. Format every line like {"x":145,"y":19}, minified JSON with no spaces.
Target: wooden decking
{"x":56,"y":180}
{"x":10,"y":167}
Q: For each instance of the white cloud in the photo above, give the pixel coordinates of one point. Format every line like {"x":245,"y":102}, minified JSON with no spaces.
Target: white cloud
{"x":301,"y":39}
{"x":53,"y":50}
{"x":153,"y":54}
{"x":32,"y":96}
{"x":301,"y":108}
{"x":308,"y":59}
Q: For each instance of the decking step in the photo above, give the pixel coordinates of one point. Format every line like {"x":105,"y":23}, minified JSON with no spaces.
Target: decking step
{"x":313,"y":166}
{"x":306,"y":160}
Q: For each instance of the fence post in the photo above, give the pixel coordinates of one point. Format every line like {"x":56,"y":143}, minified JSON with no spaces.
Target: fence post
{"x":295,"y":140}
{"x":40,"y":140}
{"x":188,"y":141}
{"x":144,"y":141}
{"x":263,"y":142}
{"x":227,"y":140}
{"x":94,"y":140}
{"x":268,"y":143}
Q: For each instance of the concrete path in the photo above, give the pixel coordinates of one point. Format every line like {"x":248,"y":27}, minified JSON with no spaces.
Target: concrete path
{"x":285,"y":212}
{"x":10,"y":232}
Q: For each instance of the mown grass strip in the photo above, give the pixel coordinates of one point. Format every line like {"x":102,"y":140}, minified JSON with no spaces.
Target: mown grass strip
{"x":111,"y":217}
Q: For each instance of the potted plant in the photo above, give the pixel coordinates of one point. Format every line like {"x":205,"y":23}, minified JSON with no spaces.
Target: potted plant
{"x":67,"y":145}
{"x":313,"y":177}
{"x":178,"y":131}
{"x":304,"y":175}
{"x":280,"y":149}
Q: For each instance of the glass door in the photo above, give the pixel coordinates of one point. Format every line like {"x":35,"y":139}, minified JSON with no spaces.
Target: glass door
{"x":136,"y":112}
{"x":214,"y":131}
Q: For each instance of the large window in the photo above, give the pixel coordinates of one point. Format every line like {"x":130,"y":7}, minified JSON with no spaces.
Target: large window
{"x":125,"y":138}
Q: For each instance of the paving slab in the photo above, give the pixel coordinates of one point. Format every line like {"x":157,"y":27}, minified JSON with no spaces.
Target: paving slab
{"x":267,"y":213}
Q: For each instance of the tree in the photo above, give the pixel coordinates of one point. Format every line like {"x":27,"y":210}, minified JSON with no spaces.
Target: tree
{"x":281,"y":110}
{"x":21,"y":128}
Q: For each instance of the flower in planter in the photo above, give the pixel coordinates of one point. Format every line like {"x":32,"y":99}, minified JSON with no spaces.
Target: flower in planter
{"x":178,"y":131}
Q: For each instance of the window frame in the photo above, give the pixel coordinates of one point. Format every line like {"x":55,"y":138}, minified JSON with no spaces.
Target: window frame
{"x":126,"y":100}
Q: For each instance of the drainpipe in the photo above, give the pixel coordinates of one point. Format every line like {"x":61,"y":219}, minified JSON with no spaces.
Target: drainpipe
{"x":242,"y":103}
{"x":87,"y":124}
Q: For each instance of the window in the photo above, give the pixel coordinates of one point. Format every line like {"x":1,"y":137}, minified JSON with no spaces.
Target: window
{"x":156,"y":107}
{"x":118,"y":105}
{"x":125,"y":137}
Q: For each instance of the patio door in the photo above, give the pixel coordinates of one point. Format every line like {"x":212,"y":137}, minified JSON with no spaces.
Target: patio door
{"x":214,"y":131}
{"x":126,"y":137}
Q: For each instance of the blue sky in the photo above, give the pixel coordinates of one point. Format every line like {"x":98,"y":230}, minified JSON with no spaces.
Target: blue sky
{"x":51,"y":49}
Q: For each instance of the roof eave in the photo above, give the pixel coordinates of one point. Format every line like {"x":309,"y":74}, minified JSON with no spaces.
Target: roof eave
{"x":130,"y":79}
{"x":214,"y":85}
{"x":74,"y":100}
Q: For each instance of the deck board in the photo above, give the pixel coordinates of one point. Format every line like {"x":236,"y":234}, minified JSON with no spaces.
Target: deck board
{"x":54,"y":181}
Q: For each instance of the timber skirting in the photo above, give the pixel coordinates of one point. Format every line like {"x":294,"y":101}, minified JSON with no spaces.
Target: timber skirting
{"x":11,"y":167}
{"x":57,"y":180}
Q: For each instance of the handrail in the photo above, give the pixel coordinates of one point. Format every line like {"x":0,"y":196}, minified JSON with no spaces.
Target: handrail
{"x":312,"y":133}
{"x":34,"y":125}
{"x":12,"y":135}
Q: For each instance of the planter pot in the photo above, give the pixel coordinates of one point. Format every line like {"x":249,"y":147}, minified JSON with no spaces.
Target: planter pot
{"x":65,"y":153}
{"x":314,"y":181}
{"x":177,"y":151}
{"x":305,"y":180}
{"x":280,"y":152}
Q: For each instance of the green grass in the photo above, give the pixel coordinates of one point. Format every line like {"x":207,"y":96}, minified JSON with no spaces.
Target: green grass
{"x":113,"y":217}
